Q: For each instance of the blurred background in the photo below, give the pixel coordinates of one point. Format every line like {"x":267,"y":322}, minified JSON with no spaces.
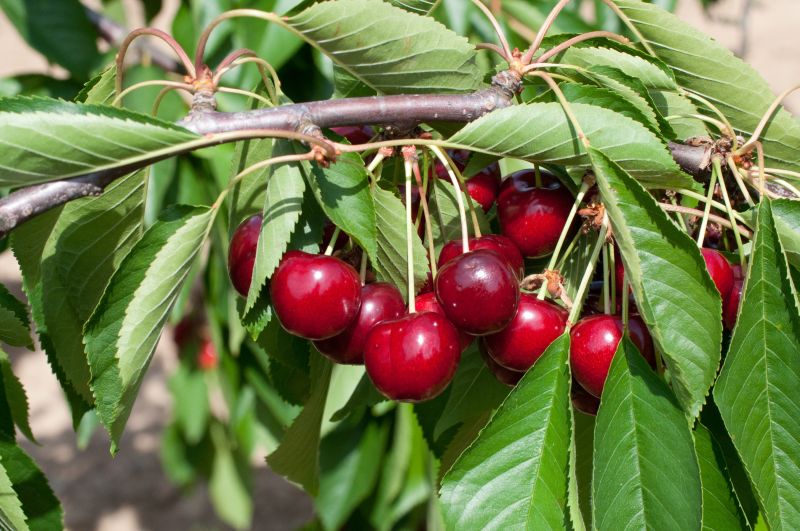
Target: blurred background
{"x":132,"y":491}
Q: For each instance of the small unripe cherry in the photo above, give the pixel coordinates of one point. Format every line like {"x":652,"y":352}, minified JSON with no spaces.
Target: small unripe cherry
{"x":315,"y":296}
{"x":207,"y":358}
{"x":412,"y":358}
{"x":242,"y":253}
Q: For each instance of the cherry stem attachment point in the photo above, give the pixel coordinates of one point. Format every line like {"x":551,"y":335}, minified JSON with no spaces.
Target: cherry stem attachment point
{"x":459,"y":197}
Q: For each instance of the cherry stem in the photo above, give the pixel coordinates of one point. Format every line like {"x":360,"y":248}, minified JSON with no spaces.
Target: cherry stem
{"x":409,"y":238}
{"x":362,"y":272}
{"x":762,"y":176}
{"x":151,"y":83}
{"x":492,"y":47}
{"x":476,"y":227}
{"x":564,"y":104}
{"x":612,"y":264}
{"x":427,"y":215}
{"x":258,"y":166}
{"x":606,"y":282}
{"x":713,"y":108}
{"x":159,"y":98}
{"x":497,"y":29}
{"x":748,"y":146}
{"x":459,"y":198}
{"x":718,"y":168}
{"x":235,"y":13}
{"x":631,"y":26}
{"x":537,"y":175}
{"x":717,"y":219}
{"x":332,"y":243}
{"x":716,"y":204}
{"x":563,"y":236}
{"x":548,"y":22}
{"x":707,"y":211}
{"x":624,"y":301}
{"x":580,"y":38}
{"x":739,"y":182}
{"x":166,"y":37}
{"x":589,"y":272}
{"x":244,"y":56}
{"x":240,"y":92}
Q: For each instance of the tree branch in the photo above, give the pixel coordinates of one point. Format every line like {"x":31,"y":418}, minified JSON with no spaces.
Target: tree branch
{"x":405,"y":111}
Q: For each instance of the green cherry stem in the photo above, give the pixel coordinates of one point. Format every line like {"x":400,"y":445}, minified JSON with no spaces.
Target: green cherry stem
{"x":606,"y":282}
{"x":151,"y":83}
{"x":729,"y":209}
{"x":587,"y":274}
{"x":463,"y":185}
{"x":748,"y":146}
{"x":701,"y":236}
{"x":332,"y":243}
{"x":624,"y":301}
{"x":716,"y":204}
{"x":362,"y":271}
{"x":427,"y":216}
{"x":612,"y":265}
{"x":679,"y":216}
{"x":409,"y":241}
{"x":462,"y":214}
{"x":563,"y":236}
{"x":739,"y":181}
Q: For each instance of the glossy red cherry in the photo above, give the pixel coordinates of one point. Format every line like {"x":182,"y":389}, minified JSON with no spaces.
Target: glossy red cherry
{"x":535,"y":325}
{"x":720,"y":270}
{"x":478,"y":292}
{"x":503,"y":375}
{"x":242,"y":253}
{"x":731,"y":309}
{"x":315,"y":296}
{"x":533,"y":217}
{"x":582,"y":400}
{"x":483,"y":186}
{"x":426,"y":302}
{"x":379,"y":301}
{"x":593,"y":342}
{"x":459,"y":158}
{"x":492,"y":242}
{"x":207,"y":356}
{"x":354,"y":134}
{"x":412,"y":358}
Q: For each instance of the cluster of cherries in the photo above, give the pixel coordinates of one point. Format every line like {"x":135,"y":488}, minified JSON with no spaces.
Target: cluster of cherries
{"x":475,"y":294}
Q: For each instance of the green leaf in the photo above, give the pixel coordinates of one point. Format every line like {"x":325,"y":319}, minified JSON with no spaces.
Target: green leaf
{"x":390,"y":49}
{"x":446,"y":224}
{"x":11,"y":515}
{"x":580,"y":470}
{"x":228,"y":489}
{"x":191,"y":407}
{"x":61,"y":31}
{"x":645,"y":470}
{"x":720,"y":508}
{"x":343,"y":193}
{"x":364,"y":397}
{"x":297,"y":458}
{"x":515,"y":474}
{"x":705,"y":66}
{"x":15,"y":397}
{"x":573,"y":265}
{"x":541,"y":132}
{"x":472,"y":390}
{"x":100,"y":89}
{"x":350,"y":462}
{"x":14,"y":326}
{"x":678,"y":108}
{"x":423,"y":7}
{"x":282,"y":210}
{"x":673,"y":290}
{"x":87,"y":244}
{"x":756,"y":388}
{"x":40,"y":506}
{"x":787,"y":223}
{"x":392,"y":264}
{"x":122,"y":334}
{"x":42,"y":140}
{"x":654,"y":75}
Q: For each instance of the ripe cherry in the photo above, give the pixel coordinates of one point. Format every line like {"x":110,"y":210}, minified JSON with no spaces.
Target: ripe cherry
{"x":493,"y":242}
{"x":535,"y":325}
{"x":503,"y":375}
{"x":582,"y":400}
{"x":354,"y":134}
{"x":315,"y":296}
{"x":731,"y":309}
{"x":478,"y":292}
{"x":720,"y":270}
{"x":207,"y":356}
{"x":593,"y":342}
{"x":426,"y":302}
{"x":532,"y":216}
{"x":242,"y":253}
{"x":483,"y":186}
{"x":379,"y":301}
{"x":412,"y":358}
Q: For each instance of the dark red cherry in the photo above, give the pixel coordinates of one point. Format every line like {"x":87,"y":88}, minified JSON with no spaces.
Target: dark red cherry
{"x":315,"y":296}
{"x":327,"y":233}
{"x":426,"y":302}
{"x":503,"y":375}
{"x":533,"y":217}
{"x":582,"y":400}
{"x":593,"y":342}
{"x":731,"y":309}
{"x":483,"y":186}
{"x":720,"y":270}
{"x":379,"y":301}
{"x":242,"y":253}
{"x":478,"y":292}
{"x":412,"y":358}
{"x":738,"y":272}
{"x":459,"y":158}
{"x":535,"y":325}
{"x":207,"y":356}
{"x":354,"y":134}
{"x":492,"y":242}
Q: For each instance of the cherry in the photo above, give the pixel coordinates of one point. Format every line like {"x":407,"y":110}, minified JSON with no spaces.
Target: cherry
{"x":315,"y":296}
{"x":731,"y":307}
{"x":503,"y":375}
{"x":184,"y":332}
{"x":582,"y":400}
{"x":493,"y":242}
{"x":459,"y":158}
{"x":593,"y":342}
{"x":354,"y":134}
{"x":533,"y":217}
{"x":720,"y":270}
{"x":478,"y":292}
{"x":379,"y":301}
{"x":426,"y":302}
{"x":207,"y":356}
{"x":483,"y":186}
{"x":535,"y":325}
{"x":242,"y":253}
{"x":412,"y":358}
